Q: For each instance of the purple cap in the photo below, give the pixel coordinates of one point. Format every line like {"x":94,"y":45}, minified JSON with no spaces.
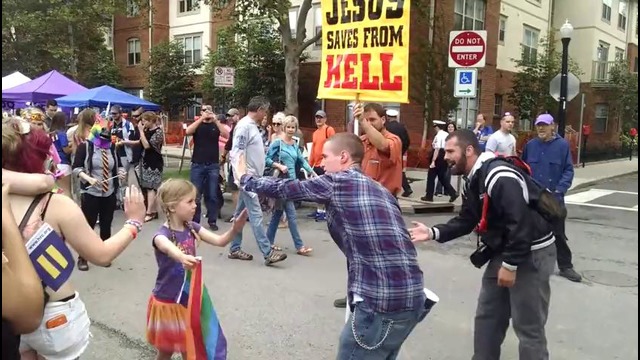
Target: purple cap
{"x":544,"y":119}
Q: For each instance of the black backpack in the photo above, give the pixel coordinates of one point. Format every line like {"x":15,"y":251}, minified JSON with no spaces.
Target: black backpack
{"x":540,"y":198}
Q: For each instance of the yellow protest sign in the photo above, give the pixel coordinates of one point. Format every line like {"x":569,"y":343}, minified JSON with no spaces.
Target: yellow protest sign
{"x":365,"y":50}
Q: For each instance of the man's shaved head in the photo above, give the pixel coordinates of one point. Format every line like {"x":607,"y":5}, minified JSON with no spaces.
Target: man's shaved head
{"x":349,"y":143}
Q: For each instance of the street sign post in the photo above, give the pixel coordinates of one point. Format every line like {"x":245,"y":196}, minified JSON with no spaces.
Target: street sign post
{"x":224,"y":77}
{"x":467,"y":48}
{"x":466,"y":82}
{"x":573,"y":87}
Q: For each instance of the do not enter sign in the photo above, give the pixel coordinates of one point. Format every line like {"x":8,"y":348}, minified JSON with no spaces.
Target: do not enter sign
{"x":467,"y":48}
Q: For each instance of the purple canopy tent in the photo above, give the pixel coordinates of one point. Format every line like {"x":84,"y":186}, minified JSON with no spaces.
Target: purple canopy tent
{"x":48,"y":86}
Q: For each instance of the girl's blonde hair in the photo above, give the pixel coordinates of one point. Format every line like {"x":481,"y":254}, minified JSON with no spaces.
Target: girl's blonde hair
{"x":290,"y":120}
{"x":172,"y":191}
{"x":86,"y":119}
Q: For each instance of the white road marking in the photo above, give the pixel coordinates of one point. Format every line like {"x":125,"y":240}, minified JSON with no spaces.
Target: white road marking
{"x":635,"y":208}
{"x":586,"y":196}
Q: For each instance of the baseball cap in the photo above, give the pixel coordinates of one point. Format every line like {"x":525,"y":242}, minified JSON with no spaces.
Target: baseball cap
{"x":392,"y":113}
{"x":544,"y":119}
{"x":321,"y":114}
{"x":221,"y":117}
{"x":439,"y":122}
{"x":233,"y":111}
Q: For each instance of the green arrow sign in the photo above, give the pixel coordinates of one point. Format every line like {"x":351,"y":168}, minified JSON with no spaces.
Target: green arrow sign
{"x":466,"y":91}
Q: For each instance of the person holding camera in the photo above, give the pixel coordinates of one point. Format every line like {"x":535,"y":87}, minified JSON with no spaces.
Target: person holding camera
{"x":517,"y":243}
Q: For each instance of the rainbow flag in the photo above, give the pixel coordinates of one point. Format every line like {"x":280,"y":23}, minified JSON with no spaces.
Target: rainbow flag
{"x":205,"y":339}
{"x":94,"y":133}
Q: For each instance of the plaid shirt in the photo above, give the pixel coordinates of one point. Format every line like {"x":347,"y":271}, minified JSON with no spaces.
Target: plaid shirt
{"x":365,"y":221}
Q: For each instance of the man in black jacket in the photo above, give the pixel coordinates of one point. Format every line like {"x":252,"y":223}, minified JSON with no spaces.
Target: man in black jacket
{"x":519,"y":245}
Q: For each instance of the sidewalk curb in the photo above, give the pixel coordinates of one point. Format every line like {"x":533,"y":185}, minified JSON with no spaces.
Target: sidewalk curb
{"x":595,"y":181}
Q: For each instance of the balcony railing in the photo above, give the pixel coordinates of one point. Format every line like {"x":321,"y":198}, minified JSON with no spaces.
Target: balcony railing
{"x":601,"y":72}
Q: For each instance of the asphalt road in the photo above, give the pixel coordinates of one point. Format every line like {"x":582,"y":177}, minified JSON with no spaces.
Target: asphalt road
{"x":285,"y":312}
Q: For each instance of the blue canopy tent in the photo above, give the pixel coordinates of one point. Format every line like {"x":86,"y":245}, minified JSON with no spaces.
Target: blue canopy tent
{"x":102,"y":96}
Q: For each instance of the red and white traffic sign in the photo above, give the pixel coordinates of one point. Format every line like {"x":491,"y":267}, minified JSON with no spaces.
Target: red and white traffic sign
{"x":467,"y":48}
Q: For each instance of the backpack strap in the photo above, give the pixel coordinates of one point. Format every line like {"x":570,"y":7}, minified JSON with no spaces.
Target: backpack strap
{"x":30,"y":210}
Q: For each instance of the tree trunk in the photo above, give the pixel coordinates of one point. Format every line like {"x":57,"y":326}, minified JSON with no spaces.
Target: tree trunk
{"x":292,"y":74}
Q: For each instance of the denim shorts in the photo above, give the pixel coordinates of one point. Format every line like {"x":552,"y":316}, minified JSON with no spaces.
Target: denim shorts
{"x":67,"y":335}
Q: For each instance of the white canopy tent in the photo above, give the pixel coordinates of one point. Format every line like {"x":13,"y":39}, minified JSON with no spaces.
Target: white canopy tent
{"x":13,"y":80}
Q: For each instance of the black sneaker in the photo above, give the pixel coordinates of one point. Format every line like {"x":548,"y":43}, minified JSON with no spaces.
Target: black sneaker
{"x":274,"y":257}
{"x":340,"y":303}
{"x":313,"y":215}
{"x":213,"y":227}
{"x":424,"y":198}
{"x":453,"y":198}
{"x":407,"y":193}
{"x":230,"y":219}
{"x":570,"y":274}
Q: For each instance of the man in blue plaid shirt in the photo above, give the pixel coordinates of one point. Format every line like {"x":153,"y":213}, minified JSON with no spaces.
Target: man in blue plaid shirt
{"x":385,"y":284}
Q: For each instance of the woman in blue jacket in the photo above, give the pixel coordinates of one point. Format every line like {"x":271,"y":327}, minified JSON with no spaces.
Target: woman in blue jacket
{"x":283,"y":155}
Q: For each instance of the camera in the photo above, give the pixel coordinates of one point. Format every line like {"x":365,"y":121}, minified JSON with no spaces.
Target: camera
{"x":481,"y":256}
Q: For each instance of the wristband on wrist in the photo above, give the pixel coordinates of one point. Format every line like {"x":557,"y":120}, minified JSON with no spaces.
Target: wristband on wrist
{"x":135,"y":223}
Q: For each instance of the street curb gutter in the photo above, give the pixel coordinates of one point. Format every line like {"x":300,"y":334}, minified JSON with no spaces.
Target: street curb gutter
{"x":134,"y":343}
{"x":595,"y":181}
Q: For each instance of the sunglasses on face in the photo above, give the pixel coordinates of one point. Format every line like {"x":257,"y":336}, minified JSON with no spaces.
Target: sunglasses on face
{"x":115,"y":114}
{"x":277,"y":123}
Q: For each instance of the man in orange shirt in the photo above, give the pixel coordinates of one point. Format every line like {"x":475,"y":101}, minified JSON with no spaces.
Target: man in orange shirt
{"x":383,"y":150}
{"x":320,"y":136}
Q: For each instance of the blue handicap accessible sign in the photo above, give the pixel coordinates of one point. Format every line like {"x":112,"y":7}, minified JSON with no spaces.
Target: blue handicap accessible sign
{"x":465,"y":77}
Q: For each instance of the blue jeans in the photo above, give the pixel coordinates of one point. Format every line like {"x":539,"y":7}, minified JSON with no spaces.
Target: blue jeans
{"x":381,"y":333}
{"x":290,"y":209}
{"x":205,"y":178}
{"x":250,"y":201}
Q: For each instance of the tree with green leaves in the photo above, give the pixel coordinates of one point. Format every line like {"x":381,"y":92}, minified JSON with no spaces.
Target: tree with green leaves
{"x":293,"y":40}
{"x":622,"y":94}
{"x":530,"y":92}
{"x":171,"y":80}
{"x":41,"y":35}
{"x":257,"y":56}
{"x":433,"y":84}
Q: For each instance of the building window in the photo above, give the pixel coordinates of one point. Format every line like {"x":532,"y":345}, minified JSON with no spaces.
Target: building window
{"x":192,"y":47}
{"x":133,"y":50}
{"x":530,"y":44}
{"x":622,"y":15}
{"x":619,"y":54}
{"x":606,"y":10}
{"x":317,"y":24}
{"x":497,"y":104}
{"x":194,"y":110}
{"x":602,"y":118}
{"x":501,"y":29}
{"x":187,"y":6}
{"x":469,"y":15}
{"x":132,"y":8}
{"x":136,"y":92}
{"x":293,"y":21}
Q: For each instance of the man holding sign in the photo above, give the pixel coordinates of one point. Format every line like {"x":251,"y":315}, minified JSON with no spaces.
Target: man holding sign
{"x":382,"y":150}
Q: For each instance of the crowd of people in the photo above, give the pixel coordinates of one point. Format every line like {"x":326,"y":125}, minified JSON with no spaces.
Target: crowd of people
{"x":53,"y":176}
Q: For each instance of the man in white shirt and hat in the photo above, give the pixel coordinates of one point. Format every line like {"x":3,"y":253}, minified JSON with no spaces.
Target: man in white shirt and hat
{"x":398,"y":129}
{"x":438,"y":166}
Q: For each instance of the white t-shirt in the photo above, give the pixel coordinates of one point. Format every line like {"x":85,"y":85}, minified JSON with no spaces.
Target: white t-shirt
{"x":501,"y":143}
{"x":440,"y":139}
